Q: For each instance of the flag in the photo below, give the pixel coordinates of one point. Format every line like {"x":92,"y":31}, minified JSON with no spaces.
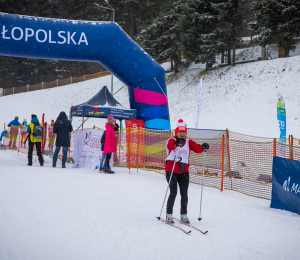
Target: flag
{"x":198,"y":104}
{"x":281,"y":116}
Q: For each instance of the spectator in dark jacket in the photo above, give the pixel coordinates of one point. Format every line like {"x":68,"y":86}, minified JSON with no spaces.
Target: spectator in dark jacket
{"x":62,"y":128}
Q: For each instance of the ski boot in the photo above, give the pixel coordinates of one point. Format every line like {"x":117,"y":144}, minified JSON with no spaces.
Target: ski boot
{"x":185,"y":218}
{"x":63,"y":166}
{"x":169,"y":218}
{"x":54,"y":165}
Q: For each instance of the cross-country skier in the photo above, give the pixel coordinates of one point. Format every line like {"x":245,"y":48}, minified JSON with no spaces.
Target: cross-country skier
{"x":181,"y":170}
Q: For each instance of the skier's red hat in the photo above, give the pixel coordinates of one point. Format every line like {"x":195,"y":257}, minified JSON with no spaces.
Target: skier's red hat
{"x":180,"y":126}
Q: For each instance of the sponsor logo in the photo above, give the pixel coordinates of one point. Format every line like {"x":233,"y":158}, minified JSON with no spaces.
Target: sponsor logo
{"x":294,"y":189}
{"x":44,"y":36}
{"x":94,"y":111}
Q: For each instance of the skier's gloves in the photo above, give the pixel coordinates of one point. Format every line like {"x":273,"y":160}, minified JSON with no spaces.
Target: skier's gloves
{"x":179,"y":141}
{"x":205,"y":146}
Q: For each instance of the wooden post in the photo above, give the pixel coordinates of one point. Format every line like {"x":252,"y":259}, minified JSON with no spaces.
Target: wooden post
{"x":84,"y":78}
{"x":27,"y":87}
{"x":42,"y":84}
{"x":71,"y":80}
{"x":274,"y":147}
{"x":13,"y":90}
{"x":223,"y":152}
{"x":56,"y":82}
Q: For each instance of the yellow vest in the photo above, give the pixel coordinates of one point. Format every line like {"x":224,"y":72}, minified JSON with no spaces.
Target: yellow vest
{"x":32,"y":139}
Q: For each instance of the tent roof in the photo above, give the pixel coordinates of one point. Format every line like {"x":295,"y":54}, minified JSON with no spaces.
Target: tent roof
{"x":103,"y":99}
{"x":101,"y":105}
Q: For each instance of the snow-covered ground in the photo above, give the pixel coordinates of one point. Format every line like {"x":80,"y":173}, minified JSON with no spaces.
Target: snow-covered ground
{"x":48,"y":213}
{"x":69,"y":214}
{"x":240,"y":98}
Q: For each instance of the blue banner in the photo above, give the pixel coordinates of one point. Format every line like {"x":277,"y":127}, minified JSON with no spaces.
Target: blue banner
{"x":286,"y":185}
{"x":281,"y":116}
{"x":103,"y":42}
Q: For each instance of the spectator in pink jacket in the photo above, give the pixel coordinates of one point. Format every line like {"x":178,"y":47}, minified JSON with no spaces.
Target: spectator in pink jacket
{"x":110,"y":145}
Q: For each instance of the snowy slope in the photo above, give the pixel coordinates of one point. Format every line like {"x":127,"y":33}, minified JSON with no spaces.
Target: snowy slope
{"x":240,"y":98}
{"x":70,"y":214}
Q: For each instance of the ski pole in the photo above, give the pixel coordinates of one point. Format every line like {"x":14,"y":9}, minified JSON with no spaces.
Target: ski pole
{"x":202,"y":186}
{"x":168,"y":184}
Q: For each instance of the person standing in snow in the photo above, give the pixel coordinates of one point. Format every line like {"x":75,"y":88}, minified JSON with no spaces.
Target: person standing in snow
{"x":14,"y":131}
{"x":110,"y":145}
{"x":51,"y":136}
{"x":181,"y":170}
{"x":62,"y":128}
{"x":102,"y":165}
{"x":24,"y":126}
{"x":34,"y":127}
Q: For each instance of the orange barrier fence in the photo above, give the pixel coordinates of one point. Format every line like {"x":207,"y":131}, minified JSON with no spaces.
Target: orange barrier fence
{"x":53,"y":84}
{"x":14,"y":140}
{"x":234,"y":161}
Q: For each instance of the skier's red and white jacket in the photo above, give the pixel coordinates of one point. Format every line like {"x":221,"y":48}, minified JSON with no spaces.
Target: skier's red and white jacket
{"x":183,"y":155}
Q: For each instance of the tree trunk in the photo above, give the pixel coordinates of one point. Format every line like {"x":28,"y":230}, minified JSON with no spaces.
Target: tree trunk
{"x":176,"y":65}
{"x":263,"y":53}
{"x":233,"y":54}
{"x":222,"y":56}
{"x":206,"y":66}
{"x":172,"y":66}
{"x":229,"y":57}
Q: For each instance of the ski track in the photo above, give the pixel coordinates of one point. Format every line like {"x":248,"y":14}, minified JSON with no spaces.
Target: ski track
{"x":54,"y":213}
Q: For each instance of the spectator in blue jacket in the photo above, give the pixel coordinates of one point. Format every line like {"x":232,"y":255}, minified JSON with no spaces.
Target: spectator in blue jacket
{"x":15,"y":122}
{"x":2,"y":134}
{"x":14,"y":131}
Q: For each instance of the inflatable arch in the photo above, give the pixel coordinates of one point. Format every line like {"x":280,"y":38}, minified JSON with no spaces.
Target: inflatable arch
{"x":103,"y":42}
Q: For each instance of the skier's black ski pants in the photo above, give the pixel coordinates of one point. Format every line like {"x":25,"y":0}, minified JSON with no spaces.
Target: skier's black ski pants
{"x":183,"y":182}
{"x":38,"y":151}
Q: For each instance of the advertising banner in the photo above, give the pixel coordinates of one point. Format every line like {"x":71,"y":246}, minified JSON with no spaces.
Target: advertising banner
{"x":198,"y":104}
{"x":281,"y":116}
{"x":87,"y":148}
{"x":135,"y":143}
{"x":286,"y":184}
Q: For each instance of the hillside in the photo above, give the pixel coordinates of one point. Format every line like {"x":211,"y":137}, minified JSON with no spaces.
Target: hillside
{"x":240,"y":98}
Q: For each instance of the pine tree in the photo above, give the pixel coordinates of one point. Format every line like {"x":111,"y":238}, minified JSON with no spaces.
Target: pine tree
{"x":161,"y":39}
{"x":277,"y":22}
{"x":230,"y":22}
{"x":199,"y":33}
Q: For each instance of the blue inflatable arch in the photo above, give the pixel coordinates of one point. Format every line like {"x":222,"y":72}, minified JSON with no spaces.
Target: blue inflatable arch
{"x":103,"y":42}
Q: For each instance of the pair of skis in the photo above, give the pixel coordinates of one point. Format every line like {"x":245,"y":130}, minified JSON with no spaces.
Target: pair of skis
{"x":180,"y":228}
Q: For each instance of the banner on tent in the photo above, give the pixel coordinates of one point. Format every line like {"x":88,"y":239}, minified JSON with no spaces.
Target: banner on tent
{"x":286,"y":184}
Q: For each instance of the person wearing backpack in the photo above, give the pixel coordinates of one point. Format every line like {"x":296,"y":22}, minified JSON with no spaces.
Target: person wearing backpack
{"x":34,"y":135}
{"x":62,"y":128}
